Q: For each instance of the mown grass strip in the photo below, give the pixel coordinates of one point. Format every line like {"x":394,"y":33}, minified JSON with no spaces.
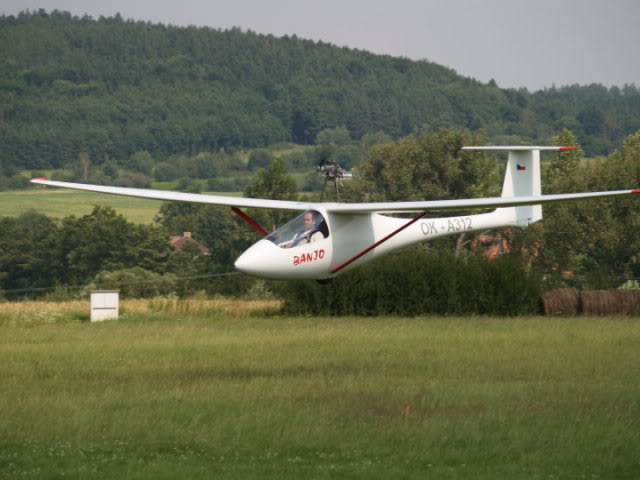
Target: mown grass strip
{"x":211,"y":393}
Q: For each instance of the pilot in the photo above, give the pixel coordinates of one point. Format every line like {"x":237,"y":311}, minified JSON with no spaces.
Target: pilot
{"x":309,"y":234}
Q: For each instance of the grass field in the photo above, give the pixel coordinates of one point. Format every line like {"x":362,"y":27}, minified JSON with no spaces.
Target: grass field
{"x":61,"y":203}
{"x":220,"y":390}
{"x":58,"y":203}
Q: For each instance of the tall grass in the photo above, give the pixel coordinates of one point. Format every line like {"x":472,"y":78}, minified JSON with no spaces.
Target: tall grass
{"x":211,"y":395}
{"x":231,"y":307}
{"x":49,"y":313}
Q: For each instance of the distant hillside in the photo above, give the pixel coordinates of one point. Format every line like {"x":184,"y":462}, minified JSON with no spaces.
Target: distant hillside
{"x":112,"y":87}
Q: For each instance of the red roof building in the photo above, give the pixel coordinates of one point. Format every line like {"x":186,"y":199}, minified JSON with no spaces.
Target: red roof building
{"x":181,"y":241}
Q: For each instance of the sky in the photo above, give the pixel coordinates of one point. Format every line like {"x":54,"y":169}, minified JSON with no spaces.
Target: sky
{"x":517,"y":43}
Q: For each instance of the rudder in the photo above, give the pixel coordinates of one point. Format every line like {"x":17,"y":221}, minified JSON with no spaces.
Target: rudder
{"x":522,"y":179}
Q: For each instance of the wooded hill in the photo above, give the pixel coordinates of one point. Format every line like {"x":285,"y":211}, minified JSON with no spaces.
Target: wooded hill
{"x":111,"y":87}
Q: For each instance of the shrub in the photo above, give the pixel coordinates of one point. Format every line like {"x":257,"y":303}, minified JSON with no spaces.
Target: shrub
{"x":134,"y":180}
{"x":17,"y":182}
{"x":165,"y":172}
{"x":136,"y":282}
{"x":417,"y":282}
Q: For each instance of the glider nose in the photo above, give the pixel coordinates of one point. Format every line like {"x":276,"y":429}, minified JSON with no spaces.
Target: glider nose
{"x":256,"y":260}
{"x":243,"y":263}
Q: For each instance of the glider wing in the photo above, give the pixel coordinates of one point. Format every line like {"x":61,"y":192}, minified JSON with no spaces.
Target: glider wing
{"x":464,"y":204}
{"x":346,"y":208}
{"x":181,"y":196}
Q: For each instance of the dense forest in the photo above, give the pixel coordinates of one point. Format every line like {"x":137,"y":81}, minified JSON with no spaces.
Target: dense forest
{"x":103,"y":89}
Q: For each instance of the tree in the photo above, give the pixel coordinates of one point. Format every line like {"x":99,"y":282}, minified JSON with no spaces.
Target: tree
{"x":592,"y":120}
{"x":25,"y":251}
{"x":165,"y":172}
{"x":272,"y":183}
{"x":563,"y":166}
{"x":588,"y":244}
{"x":429,"y":167}
{"x":347,"y":156}
{"x":140,"y":162}
{"x":260,"y":159}
{"x":334,"y":136}
{"x":104,"y":240}
{"x":84,"y":164}
{"x":369,"y":140}
{"x":110,"y":170}
{"x":192,"y":267}
{"x":313,"y":182}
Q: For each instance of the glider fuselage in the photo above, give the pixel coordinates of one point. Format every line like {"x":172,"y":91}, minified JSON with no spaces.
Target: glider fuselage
{"x":351,"y":235}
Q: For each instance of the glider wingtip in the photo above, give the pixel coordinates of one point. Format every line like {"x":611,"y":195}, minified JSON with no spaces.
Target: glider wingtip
{"x":637,"y":190}
{"x":38,"y":179}
{"x":568,"y":148}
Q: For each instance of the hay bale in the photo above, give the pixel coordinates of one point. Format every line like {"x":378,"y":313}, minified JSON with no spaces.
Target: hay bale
{"x":563,"y":301}
{"x":610,"y":302}
{"x":629,"y":301}
{"x":598,"y":302}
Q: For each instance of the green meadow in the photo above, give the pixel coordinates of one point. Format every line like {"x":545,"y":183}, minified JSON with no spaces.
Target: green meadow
{"x":61,"y":203}
{"x":213,"y":392}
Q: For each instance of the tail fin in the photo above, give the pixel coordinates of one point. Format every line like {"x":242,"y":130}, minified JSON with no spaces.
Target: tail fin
{"x":522,"y":179}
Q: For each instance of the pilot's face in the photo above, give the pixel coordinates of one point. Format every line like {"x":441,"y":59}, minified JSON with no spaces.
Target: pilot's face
{"x":308,"y":220}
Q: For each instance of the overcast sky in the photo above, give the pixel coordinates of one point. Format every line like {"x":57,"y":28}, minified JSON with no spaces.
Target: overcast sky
{"x":519,"y":43}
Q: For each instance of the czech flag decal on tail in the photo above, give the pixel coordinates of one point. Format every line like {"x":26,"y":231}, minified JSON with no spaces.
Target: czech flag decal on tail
{"x":520,"y":167}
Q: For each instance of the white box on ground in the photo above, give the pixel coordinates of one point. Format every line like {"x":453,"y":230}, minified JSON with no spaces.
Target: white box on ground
{"x":104,"y":305}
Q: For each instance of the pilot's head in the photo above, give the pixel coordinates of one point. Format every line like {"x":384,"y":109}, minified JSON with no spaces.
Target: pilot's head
{"x":309,"y":220}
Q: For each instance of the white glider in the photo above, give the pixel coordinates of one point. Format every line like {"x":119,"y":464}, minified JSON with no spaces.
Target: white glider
{"x":329,"y":238}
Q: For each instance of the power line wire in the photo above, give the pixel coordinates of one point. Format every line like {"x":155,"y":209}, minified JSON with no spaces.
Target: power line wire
{"x":79,"y":287}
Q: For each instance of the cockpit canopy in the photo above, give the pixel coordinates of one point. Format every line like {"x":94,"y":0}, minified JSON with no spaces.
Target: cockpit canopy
{"x":306,"y":228}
